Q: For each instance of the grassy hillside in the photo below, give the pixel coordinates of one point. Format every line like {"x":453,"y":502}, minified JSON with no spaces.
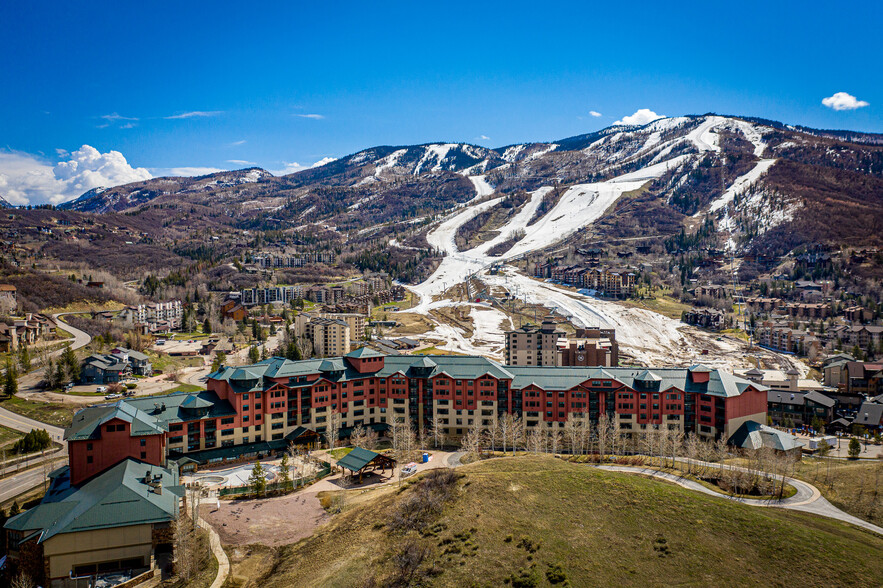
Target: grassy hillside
{"x":540,"y":521}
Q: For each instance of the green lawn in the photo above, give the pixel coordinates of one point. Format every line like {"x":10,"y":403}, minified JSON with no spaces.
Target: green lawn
{"x":532,"y":521}
{"x":60,"y":415}
{"x":182,"y":388}
{"x":9,"y":436}
{"x":340,"y":452}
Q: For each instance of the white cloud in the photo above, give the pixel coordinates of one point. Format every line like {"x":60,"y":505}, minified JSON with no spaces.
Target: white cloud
{"x":240,"y":162}
{"x":293,"y":167}
{"x":114,"y":118}
{"x":288,"y":168}
{"x":26,"y":179}
{"x":236,"y":143}
{"x":482,"y":138}
{"x":595,"y":113}
{"x":641,"y":117}
{"x":312,"y":116}
{"x":195,"y":114}
{"x":843,"y":101}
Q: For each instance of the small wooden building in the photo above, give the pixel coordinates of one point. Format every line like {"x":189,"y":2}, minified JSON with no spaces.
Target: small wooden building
{"x":360,"y":460}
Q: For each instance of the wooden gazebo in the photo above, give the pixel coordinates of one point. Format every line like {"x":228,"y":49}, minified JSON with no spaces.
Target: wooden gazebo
{"x":359,"y":460}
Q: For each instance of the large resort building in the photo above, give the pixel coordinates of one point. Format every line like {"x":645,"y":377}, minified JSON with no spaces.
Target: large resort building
{"x":115,"y":505}
{"x":457,"y":393}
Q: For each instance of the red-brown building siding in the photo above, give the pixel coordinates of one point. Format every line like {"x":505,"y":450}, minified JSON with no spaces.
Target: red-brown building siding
{"x":90,"y":457}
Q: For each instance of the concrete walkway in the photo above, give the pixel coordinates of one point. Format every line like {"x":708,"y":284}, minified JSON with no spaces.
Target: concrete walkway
{"x":219,"y":553}
{"x":807,"y":499}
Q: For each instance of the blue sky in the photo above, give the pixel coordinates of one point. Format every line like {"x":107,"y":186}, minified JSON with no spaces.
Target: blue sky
{"x":176,"y":85}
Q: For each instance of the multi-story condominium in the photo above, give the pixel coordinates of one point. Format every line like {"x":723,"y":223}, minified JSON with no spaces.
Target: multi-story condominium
{"x":330,"y":336}
{"x":270,"y":294}
{"x":355,"y":321}
{"x":169,"y":314}
{"x":532,"y":345}
{"x":787,"y":339}
{"x":319,"y":294}
{"x":616,"y":282}
{"x":271,"y":261}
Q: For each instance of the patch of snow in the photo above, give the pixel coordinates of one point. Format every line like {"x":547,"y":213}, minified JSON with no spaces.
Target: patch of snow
{"x":740,"y":184}
{"x":437,"y":153}
{"x":389,"y":161}
{"x":511,"y":153}
{"x":541,"y":152}
{"x":482,"y":188}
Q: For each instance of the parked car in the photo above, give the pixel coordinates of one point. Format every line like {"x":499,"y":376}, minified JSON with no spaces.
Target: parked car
{"x":101,"y":389}
{"x":409,"y":470}
{"x":113,"y":396}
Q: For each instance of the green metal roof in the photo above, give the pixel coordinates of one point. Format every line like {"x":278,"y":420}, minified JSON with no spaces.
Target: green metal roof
{"x":458,"y":367}
{"x":118,"y":497}
{"x":753,"y":435}
{"x":363,"y":353}
{"x":358,"y":458}
{"x":148,"y":415}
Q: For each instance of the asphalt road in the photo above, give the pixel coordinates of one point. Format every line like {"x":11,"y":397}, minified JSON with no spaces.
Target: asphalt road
{"x":808,"y":498}
{"x":12,"y":486}
{"x":30,"y":380}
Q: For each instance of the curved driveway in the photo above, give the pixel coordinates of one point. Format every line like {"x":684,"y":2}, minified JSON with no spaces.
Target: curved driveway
{"x":807,"y":499}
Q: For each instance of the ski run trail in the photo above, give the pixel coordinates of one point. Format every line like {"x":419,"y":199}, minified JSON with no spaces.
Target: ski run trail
{"x":649,"y":338}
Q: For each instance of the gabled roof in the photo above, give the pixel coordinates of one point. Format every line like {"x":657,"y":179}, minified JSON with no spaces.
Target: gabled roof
{"x":87,"y":422}
{"x":194,"y":401}
{"x":699,"y":368}
{"x":424,"y":363}
{"x":820,"y":398}
{"x":364,"y":353}
{"x":753,"y":435}
{"x":334,"y":364}
{"x":358,"y":458}
{"x":647,"y":376}
{"x":869,"y":414}
{"x":149,"y":415}
{"x":118,"y":497}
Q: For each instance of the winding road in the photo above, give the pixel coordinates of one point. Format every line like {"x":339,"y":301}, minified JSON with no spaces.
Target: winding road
{"x":807,"y":499}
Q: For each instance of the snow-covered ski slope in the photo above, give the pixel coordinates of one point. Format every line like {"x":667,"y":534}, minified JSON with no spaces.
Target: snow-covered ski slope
{"x":647,"y":336}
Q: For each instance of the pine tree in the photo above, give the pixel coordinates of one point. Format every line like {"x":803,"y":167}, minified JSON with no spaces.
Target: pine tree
{"x":24,"y":359}
{"x":207,"y":326}
{"x":257,"y":480}
{"x":285,"y":473}
{"x":69,"y":359}
{"x":60,"y":374}
{"x":254,"y":355}
{"x":10,"y":380}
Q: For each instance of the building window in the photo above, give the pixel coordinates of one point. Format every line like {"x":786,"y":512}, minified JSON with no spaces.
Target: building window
{"x":88,"y":459}
{"x":88,"y":447}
